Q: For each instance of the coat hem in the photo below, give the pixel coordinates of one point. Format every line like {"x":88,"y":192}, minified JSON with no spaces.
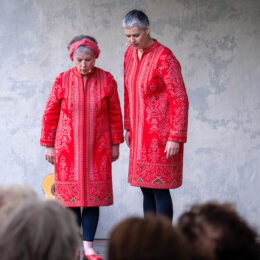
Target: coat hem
{"x":156,"y":186}
{"x":72,"y":205}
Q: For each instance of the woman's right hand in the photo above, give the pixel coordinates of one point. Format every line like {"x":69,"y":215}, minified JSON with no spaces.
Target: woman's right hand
{"x":50,"y":154}
{"x":127,"y":138}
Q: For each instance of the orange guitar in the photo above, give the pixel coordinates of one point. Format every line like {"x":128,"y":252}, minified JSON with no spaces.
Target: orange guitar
{"x":49,"y":187}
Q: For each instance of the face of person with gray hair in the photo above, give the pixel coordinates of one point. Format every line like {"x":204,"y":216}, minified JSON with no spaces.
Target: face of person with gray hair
{"x":84,"y":60}
{"x":137,"y":37}
{"x":137,"y":29}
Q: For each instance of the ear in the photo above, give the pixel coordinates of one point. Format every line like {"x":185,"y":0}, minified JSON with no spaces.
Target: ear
{"x":148,"y":29}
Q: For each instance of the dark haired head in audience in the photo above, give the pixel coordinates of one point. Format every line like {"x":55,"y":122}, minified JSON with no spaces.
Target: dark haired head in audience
{"x":148,"y":238}
{"x":39,"y":230}
{"x":216,"y":231}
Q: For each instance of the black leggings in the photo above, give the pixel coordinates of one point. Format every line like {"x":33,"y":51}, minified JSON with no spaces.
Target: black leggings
{"x":157,"y":201}
{"x":88,"y":219}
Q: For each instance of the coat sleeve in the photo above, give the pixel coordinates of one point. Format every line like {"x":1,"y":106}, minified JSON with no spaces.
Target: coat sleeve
{"x":126,"y":103}
{"x":114,"y":113}
{"x":51,"y":114}
{"x":170,"y":72}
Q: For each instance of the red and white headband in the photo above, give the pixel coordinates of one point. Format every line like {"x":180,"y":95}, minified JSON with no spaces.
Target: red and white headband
{"x":84,"y":42}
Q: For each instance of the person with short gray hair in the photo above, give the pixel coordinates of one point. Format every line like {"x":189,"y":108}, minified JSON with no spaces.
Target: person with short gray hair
{"x":39,"y":230}
{"x":156,"y":115}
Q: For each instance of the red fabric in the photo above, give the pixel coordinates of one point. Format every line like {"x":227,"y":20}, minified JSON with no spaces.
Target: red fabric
{"x":92,"y":257}
{"x":156,"y":110}
{"x":84,"y":42}
{"x":82,"y":124}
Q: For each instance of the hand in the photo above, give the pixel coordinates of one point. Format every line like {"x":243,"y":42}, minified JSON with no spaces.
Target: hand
{"x":50,"y":154}
{"x":171,"y":149}
{"x":114,"y":152}
{"x":127,"y":138}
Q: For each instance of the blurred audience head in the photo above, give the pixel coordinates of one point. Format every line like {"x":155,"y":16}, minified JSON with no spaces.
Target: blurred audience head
{"x":151,"y":237}
{"x":216,"y":231}
{"x":41,"y":230}
{"x":11,"y":196}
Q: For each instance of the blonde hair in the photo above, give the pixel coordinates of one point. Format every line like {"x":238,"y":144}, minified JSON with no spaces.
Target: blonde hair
{"x":11,"y":196}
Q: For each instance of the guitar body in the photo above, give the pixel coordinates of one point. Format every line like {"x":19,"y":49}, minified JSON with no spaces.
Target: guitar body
{"x":48,"y":186}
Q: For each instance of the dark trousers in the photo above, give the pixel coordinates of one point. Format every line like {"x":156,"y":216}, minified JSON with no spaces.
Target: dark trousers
{"x":157,"y":201}
{"x":88,"y":219}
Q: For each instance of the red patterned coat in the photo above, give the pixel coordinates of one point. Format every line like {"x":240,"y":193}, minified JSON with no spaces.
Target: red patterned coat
{"x":156,"y":110}
{"x":82,"y":124}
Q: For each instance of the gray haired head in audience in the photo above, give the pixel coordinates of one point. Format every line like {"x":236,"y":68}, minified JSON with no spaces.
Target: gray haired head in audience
{"x":41,"y":230}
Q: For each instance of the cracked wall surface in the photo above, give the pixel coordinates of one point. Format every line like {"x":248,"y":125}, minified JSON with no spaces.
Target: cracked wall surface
{"x":218,"y":46}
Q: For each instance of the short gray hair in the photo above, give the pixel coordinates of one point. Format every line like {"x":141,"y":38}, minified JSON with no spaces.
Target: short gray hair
{"x":41,"y":230}
{"x":83,"y":49}
{"x":135,"y":18}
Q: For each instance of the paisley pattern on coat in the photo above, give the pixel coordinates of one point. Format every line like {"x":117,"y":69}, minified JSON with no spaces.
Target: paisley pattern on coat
{"x":155,"y":111}
{"x":82,"y":122}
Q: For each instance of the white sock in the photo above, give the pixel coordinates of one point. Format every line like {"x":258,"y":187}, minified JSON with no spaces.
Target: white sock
{"x":88,"y":248}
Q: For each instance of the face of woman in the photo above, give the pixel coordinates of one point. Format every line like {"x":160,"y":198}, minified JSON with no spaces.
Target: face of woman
{"x":137,"y":37}
{"x":84,"y":62}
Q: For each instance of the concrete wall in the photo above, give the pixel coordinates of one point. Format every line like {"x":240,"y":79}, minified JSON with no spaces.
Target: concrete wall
{"x":218,"y":45}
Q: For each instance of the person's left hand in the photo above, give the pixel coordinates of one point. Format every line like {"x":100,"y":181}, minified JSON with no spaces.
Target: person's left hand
{"x":171,"y":149}
{"x":114,"y":152}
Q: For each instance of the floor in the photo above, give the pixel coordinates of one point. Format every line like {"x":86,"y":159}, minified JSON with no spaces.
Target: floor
{"x":100,"y":246}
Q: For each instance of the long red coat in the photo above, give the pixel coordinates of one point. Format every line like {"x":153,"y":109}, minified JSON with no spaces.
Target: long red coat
{"x":82,"y":124}
{"x":156,"y":110}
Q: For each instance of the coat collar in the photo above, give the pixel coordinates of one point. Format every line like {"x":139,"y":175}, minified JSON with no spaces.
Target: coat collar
{"x":151,"y":47}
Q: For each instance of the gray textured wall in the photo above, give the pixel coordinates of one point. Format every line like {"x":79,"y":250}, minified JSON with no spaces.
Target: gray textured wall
{"x":218,"y":45}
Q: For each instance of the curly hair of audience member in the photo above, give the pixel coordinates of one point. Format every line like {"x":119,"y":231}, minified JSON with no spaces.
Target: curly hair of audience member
{"x":216,"y":231}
